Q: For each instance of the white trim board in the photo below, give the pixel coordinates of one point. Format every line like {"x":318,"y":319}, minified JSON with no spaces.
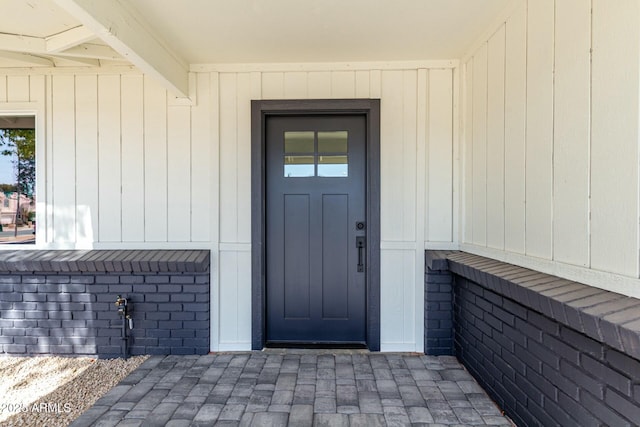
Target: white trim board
{"x":325,"y":66}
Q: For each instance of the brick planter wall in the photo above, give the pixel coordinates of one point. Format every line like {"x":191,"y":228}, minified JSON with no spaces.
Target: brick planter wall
{"x":548,"y":350}
{"x":62,"y":302}
{"x":539,"y":370}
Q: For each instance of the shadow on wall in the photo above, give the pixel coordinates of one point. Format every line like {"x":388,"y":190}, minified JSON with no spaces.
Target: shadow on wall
{"x":72,"y":225}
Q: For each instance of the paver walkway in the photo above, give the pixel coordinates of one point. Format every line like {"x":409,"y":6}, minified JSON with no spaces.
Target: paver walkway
{"x":296,"y":388}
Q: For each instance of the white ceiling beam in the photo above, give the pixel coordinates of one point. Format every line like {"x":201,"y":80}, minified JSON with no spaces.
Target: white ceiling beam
{"x":27,"y":59}
{"x":120,"y":28}
{"x":38,"y":46}
{"x":25,"y":44}
{"x":68,"y":39}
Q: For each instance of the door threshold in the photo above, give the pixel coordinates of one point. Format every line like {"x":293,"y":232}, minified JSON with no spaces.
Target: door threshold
{"x":314,"y":351}
{"x":316,"y":345}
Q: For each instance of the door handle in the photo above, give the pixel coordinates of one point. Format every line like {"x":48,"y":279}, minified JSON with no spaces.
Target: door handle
{"x":360,"y":244}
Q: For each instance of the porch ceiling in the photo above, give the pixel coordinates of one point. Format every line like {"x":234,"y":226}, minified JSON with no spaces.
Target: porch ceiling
{"x":163,"y":37}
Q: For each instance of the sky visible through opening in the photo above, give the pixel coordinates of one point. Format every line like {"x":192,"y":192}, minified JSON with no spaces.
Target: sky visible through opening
{"x":7,"y":172}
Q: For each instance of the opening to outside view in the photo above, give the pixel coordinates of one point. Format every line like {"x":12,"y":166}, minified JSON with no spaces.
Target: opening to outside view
{"x":17,"y":180}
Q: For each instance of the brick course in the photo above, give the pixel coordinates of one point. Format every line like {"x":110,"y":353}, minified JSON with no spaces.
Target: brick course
{"x":69,"y":308}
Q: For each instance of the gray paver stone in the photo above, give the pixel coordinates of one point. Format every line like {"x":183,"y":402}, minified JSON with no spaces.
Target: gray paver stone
{"x":279,"y":408}
{"x":207,"y":414}
{"x":282,"y":397}
{"x":124,"y":406}
{"x":370,"y":403}
{"x":388,"y":389}
{"x":286,"y":381}
{"x":411,"y":395}
{"x":459,"y":403}
{"x":137,"y":392}
{"x":301,"y":415}
{"x":468,"y":415}
{"x":431,"y":393}
{"x":304,"y":394}
{"x":231,"y":412}
{"x":366,"y":385}
{"x":326,"y":388}
{"x":201,"y":390}
{"x":90,"y":415}
{"x":367,"y":420}
{"x":186,"y":411}
{"x":110,"y":419}
{"x":346,"y":395}
{"x":455,"y":375}
{"x":396,"y":416}
{"x":130,"y":423}
{"x":324,"y":405}
{"x":138,"y":413}
{"x":270,"y":419}
{"x":348,"y":409}
{"x":196,"y":399}
{"x":114,"y":395}
{"x":469,"y":387}
{"x":392,"y":402}
{"x":151,"y":400}
{"x":178,"y":423}
{"x":331,"y":420}
{"x":160,"y":415}
{"x":246,"y":420}
{"x":174,"y":398}
{"x":238,"y":400}
{"x":419,"y":415}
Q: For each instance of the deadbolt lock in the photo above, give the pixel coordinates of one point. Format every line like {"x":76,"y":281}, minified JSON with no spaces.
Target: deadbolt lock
{"x":360,"y":225}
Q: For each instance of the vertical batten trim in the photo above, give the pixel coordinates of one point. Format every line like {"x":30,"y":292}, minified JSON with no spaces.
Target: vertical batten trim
{"x":468,"y":154}
{"x":214,"y":304}
{"x":486,"y":148}
{"x":144,"y":159}
{"x":49,"y":171}
{"x":526,"y":122}
{"x":590,"y":144}
{"x":120,"y":160}
{"x":422,"y":153}
{"x":456,"y":135}
{"x":166,"y":164}
{"x":75,"y":162}
{"x":553,"y":129}
{"x":504,"y":142}
{"x":98,"y":216}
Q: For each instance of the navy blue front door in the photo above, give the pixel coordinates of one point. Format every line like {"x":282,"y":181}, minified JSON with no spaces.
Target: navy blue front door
{"x":316,"y":229}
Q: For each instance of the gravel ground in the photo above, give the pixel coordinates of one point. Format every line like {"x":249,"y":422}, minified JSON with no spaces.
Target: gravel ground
{"x":53,"y":391}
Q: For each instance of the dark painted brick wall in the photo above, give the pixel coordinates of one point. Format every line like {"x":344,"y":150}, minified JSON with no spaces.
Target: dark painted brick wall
{"x":73,"y":311}
{"x":438,"y":304}
{"x":539,"y":369}
{"x":438,"y":314}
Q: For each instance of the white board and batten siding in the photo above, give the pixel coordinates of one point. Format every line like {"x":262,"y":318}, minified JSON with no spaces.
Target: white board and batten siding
{"x":127,"y":167}
{"x":551,"y":142}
